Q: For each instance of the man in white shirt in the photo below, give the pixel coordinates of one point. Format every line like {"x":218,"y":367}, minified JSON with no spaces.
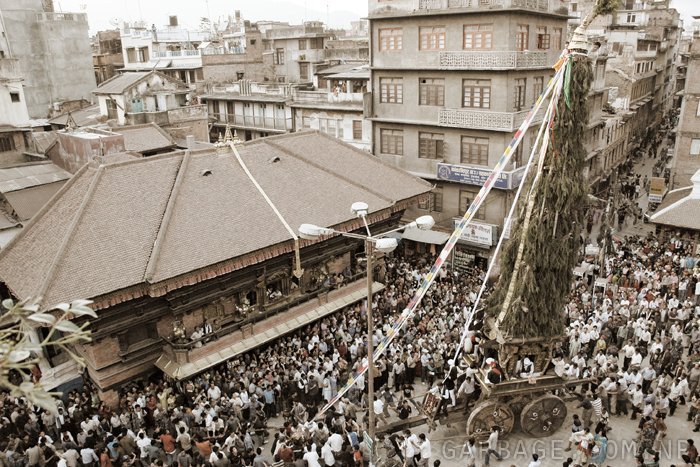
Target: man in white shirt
{"x":378,"y":407}
{"x":493,"y":445}
{"x":535,"y":461}
{"x":88,"y":456}
{"x":311,"y":457}
{"x":336,"y":442}
{"x":327,"y":455}
{"x":425,"y":451}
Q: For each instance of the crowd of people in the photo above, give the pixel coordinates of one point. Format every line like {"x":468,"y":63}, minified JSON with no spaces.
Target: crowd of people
{"x":633,"y":340}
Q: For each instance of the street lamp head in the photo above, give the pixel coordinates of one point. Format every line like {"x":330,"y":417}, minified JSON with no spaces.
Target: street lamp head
{"x":359,"y":208}
{"x":385,"y":245}
{"x":312,"y":232}
{"x":425,"y":222}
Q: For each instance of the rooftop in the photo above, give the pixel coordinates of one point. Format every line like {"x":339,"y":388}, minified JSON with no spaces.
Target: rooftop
{"x":143,"y":227}
{"x":145,"y":138}
{"x":120,"y":83}
{"x":680,"y":207}
{"x":30,"y":175}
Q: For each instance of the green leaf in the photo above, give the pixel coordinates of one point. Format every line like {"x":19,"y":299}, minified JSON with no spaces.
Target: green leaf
{"x":17,"y":356}
{"x":43,"y":318}
{"x":82,"y":310}
{"x":62,"y":306}
{"x":67,"y":326}
{"x":80,"y":302}
{"x":30,"y":346}
{"x":8,"y":303}
{"x":33,"y":307}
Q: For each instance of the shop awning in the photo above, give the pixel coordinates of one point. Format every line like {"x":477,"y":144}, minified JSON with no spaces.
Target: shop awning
{"x":425,"y":236}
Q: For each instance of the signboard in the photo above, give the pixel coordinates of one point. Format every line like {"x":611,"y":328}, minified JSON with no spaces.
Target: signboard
{"x":657,"y":188}
{"x":481,"y":234}
{"x":477,"y":176}
{"x":368,"y":440}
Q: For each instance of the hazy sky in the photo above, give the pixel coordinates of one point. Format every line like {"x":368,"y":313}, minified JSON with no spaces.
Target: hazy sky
{"x":335,"y":12}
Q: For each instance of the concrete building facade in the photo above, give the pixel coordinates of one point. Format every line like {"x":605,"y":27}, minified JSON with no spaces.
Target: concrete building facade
{"x":53,"y":53}
{"x":686,"y":160}
{"x":452,"y":82}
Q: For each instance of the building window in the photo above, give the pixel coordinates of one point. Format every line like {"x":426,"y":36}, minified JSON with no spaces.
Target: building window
{"x":543,"y":39}
{"x":431,"y":91}
{"x":431,"y":145}
{"x":517,"y":158}
{"x":391,"y":141}
{"x":304,"y":70}
{"x":465,"y":200}
{"x":391,"y":90}
{"x":7,"y":144}
{"x":306,"y":123}
{"x":14,"y":96}
{"x":331,"y":126}
{"x":302,"y":44}
{"x":631,"y":17}
{"x":476,"y":93}
{"x":433,"y":202}
{"x":316,"y":43}
{"x":390,"y":39}
{"x":478,"y":36}
{"x":557,"y":33}
{"x":279,"y":56}
{"x":432,"y":38}
{"x":475,"y":151}
{"x":538,"y":87}
{"x":522,"y":38}
{"x":357,"y":130}
{"x":695,"y":147}
{"x":519,"y":95}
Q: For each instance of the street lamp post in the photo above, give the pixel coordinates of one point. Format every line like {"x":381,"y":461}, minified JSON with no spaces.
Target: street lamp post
{"x":372,"y":243}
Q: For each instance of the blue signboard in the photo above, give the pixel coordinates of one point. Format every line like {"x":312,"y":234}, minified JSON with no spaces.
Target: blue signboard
{"x":477,"y":176}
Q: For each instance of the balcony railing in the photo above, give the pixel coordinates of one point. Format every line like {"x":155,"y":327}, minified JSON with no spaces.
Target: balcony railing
{"x":254,"y":121}
{"x":492,"y":60}
{"x":379,"y":7}
{"x":478,"y":4}
{"x":323,"y":97}
{"x":80,"y":17}
{"x":261,"y":313}
{"x":177,"y":53}
{"x":484,"y":119}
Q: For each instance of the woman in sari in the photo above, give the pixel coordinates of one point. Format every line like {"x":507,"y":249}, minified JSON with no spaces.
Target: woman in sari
{"x":600,"y":449}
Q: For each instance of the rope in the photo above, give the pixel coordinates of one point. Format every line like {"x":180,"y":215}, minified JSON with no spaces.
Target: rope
{"x":271,"y":204}
{"x":456,"y":235}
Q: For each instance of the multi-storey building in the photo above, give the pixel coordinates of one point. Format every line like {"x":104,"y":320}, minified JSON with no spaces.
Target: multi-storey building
{"x":253,"y":110}
{"x":107,"y":54}
{"x":295,"y":51}
{"x":238,"y":55}
{"x":452,"y":81}
{"x":52,"y":52}
{"x":644,"y":38}
{"x":686,"y":160}
{"x":336,"y":107}
{"x":173,"y":50}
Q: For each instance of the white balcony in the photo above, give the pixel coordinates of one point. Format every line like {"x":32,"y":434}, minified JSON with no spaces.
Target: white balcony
{"x":645,"y":54}
{"x":492,"y":60}
{"x":177,"y":53}
{"x":484,"y":119}
{"x":324,"y":97}
{"x":383,"y":8}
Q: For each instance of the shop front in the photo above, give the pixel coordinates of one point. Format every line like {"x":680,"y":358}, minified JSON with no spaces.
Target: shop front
{"x":473,"y":249}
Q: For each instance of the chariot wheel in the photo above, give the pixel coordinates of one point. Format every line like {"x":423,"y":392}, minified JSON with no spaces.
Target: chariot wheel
{"x":487,"y":415}
{"x":543,"y":416}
